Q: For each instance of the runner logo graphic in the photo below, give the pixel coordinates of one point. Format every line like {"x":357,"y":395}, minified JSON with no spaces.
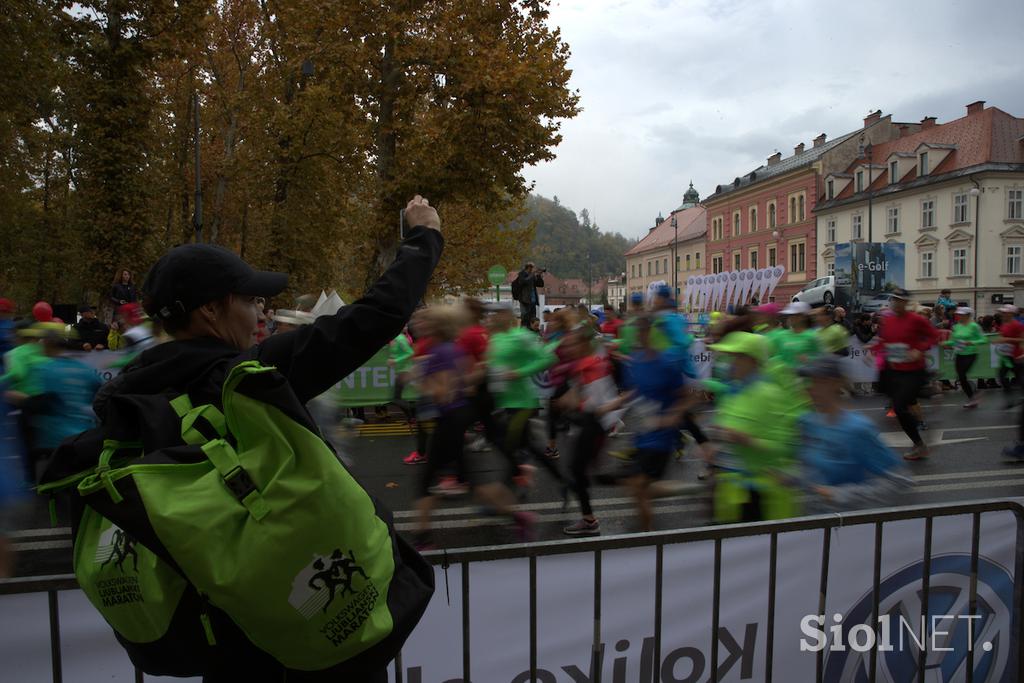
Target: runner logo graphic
{"x":116,"y":546}
{"x":324,"y":579}
{"x":951,"y":628}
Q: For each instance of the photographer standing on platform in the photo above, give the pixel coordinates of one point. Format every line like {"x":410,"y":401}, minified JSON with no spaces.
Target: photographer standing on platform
{"x":525,"y":291}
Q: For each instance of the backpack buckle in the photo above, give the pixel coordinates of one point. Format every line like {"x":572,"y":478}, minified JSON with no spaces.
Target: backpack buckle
{"x":239,"y":483}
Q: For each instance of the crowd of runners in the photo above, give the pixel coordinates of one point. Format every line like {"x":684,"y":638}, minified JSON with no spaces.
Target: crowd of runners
{"x":767,"y":430}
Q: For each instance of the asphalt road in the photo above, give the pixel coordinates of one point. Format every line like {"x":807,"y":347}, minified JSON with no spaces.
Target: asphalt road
{"x":966,"y":464}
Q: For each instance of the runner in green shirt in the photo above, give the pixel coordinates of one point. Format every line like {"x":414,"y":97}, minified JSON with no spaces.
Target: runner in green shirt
{"x":756,"y":436}
{"x":965,"y":339}
{"x":833,"y":337}
{"x":19,"y":362}
{"x":799,"y":344}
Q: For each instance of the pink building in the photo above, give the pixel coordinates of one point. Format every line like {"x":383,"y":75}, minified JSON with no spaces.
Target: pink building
{"x":766,"y":217}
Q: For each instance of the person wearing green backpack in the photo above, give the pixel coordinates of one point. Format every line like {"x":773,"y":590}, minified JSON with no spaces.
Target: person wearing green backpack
{"x":255,"y":555}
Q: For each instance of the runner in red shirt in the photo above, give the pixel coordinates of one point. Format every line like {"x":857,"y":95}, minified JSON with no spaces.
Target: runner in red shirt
{"x":904,"y":337}
{"x":612,"y":321}
{"x":1010,"y":350}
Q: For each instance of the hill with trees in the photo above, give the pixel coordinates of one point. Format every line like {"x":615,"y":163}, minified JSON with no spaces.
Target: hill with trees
{"x":563,"y":240}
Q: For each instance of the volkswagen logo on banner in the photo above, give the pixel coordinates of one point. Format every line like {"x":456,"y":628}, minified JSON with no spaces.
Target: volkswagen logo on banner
{"x":950,"y":631}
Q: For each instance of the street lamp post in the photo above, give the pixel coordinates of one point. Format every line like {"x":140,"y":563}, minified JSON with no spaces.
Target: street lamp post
{"x":675,"y":259}
{"x":976,"y":193}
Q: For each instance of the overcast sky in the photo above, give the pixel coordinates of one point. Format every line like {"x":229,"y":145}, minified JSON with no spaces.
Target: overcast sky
{"x":674,"y":90}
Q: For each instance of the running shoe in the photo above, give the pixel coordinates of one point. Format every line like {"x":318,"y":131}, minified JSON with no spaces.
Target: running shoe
{"x":551,"y":453}
{"x":919,"y":452}
{"x":890,"y":413}
{"x":972,"y":403}
{"x":526,"y":526}
{"x":414,"y":458}
{"x":449,"y":486}
{"x":525,"y":477}
{"x":1014,"y":453}
{"x":478,"y":445}
{"x":583,"y":528}
{"x":624,"y":454}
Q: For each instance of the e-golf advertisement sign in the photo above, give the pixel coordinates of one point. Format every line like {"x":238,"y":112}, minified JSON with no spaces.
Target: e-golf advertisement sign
{"x":864,"y":272}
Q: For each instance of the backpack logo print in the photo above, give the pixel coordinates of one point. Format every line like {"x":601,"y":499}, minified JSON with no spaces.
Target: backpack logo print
{"x":116,"y":546}
{"x":323,"y":580}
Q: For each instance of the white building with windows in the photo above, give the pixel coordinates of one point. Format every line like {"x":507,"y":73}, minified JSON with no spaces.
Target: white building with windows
{"x":953,"y":193}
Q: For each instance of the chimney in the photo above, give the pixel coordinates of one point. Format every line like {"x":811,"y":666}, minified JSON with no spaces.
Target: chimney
{"x":775,"y":158}
{"x":927,"y":122}
{"x":975,"y":107}
{"x":873,"y":118}
{"x":799,"y":149}
{"x":904,"y":130}
{"x":820,"y":140}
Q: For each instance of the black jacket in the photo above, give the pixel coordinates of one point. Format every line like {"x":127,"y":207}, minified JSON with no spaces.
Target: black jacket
{"x":123,"y":294}
{"x":530,"y":283}
{"x":91,"y":332}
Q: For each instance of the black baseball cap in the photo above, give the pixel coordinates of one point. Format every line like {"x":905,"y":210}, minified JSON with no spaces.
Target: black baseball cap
{"x":85,"y":308}
{"x":188,"y":276}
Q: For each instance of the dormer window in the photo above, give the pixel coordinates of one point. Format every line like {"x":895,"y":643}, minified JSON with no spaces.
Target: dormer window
{"x":894,"y":172}
{"x":922,"y":164}
{"x":860,"y":181}
{"x":830,"y":189}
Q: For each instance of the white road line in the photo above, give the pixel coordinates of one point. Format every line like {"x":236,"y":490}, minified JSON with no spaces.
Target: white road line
{"x":48,"y":531}
{"x":1000,"y":484}
{"x":41,"y":545}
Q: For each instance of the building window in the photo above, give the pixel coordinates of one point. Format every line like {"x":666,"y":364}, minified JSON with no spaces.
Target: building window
{"x":856,"y":227}
{"x":960,"y":208}
{"x":791,"y":218}
{"x":860,"y":181}
{"x":801,"y":200}
{"x":664,"y":266}
{"x":894,"y":172}
{"x":753,"y":258}
{"x":928,"y":213}
{"x":928,"y":264}
{"x":1015,"y":204}
{"x":830,"y":231}
{"x":830,"y":189}
{"x":737,"y":262}
{"x":960,"y":261}
{"x":892,"y":222}
{"x":1013,"y":260}
{"x":716,"y":264}
{"x":687,"y":261}
{"x":677,"y":263}
{"x":716,"y":228}
{"x":771,"y":257}
{"x":922,"y":164}
{"x":736,"y":227}
{"x":797,"y":257}
{"x":771,"y":215}
{"x":649,"y":269}
{"x":830,"y":268}
{"x":753,"y":219}
{"x":696,"y":261}
{"x":632,"y":270}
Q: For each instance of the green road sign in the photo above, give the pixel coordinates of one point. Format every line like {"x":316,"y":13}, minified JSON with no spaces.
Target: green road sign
{"x":496,"y":275}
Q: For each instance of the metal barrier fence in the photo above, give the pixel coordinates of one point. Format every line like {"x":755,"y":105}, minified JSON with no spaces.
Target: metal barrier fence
{"x":465,"y":559}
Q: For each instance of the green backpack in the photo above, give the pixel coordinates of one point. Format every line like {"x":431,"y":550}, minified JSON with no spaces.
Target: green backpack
{"x":252,"y":522}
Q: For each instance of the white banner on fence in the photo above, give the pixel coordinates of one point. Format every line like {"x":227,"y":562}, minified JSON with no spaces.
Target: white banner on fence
{"x":499,"y":610}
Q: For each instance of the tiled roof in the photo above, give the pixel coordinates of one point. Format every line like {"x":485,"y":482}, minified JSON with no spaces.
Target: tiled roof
{"x":805,"y":158}
{"x":691,"y":223}
{"x":974,"y":139}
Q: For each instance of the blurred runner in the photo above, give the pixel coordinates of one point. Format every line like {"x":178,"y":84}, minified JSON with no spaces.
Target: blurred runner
{"x":755,"y":435}
{"x":799,"y":343}
{"x":903,"y":338}
{"x":514,"y":356}
{"x":845,"y":463}
{"x":1010,"y":334}
{"x":443,"y":383}
{"x":965,"y":339}
{"x":833,"y":337}
{"x":592,"y":403}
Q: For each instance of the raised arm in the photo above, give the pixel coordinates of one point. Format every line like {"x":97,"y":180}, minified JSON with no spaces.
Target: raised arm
{"x":317,"y":356}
